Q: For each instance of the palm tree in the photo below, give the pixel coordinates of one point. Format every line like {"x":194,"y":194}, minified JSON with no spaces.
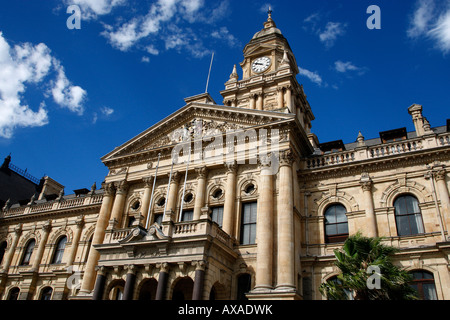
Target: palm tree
{"x":358,"y":255}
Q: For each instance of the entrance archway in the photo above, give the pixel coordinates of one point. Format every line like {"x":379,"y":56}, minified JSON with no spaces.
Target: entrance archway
{"x":147,"y":289}
{"x":182,"y":289}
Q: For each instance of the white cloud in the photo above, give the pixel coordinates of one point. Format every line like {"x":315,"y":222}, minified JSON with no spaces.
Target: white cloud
{"x":165,"y":22}
{"x":312,"y":76}
{"x":145,"y":59}
{"x":332,"y":31}
{"x":107,"y":111}
{"x":21,"y":66}
{"x":344,"y":67}
{"x":91,"y":9}
{"x":65,"y":94}
{"x":224,"y":34}
{"x":431,"y":21}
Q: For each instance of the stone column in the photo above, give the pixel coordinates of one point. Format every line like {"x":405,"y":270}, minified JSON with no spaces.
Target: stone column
{"x":264,"y":227}
{"x":100,"y":284}
{"x":76,"y":238}
{"x":289,"y":99}
{"x":260,"y":101}
{"x":162,"y":282}
{"x":201,"y":189}
{"x":230,"y":198}
{"x":12,"y":248}
{"x":40,"y":252}
{"x":252,"y":101}
{"x":129,"y":283}
{"x":173,"y":192}
{"x":197,"y":293}
{"x":442,"y":189}
{"x":119,"y":202}
{"x":366,"y":184}
{"x":280,"y":92}
{"x":286,"y":255}
{"x":99,"y":235}
{"x":145,"y":205}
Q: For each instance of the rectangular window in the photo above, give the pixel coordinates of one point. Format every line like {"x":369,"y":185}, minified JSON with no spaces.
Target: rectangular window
{"x":187,"y":215}
{"x":217,"y":215}
{"x":158,"y":218}
{"x":248,"y":223}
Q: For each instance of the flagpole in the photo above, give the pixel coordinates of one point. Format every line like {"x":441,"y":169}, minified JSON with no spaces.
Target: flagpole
{"x":185,"y":179}
{"x":209,"y":73}
{"x":153,"y":192}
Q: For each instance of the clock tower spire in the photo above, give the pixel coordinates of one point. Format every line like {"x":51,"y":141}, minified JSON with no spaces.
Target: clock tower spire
{"x":269,"y":81}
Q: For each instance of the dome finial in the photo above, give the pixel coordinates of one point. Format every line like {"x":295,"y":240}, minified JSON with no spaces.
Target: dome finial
{"x":269,"y":23}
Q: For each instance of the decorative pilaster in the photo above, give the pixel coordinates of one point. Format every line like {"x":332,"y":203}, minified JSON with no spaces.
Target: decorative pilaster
{"x":285,"y":226}
{"x":99,"y":235}
{"x":264,"y":228}
{"x":46,"y":231}
{"x":252,"y":101}
{"x":230,"y":198}
{"x":200,"y":196}
{"x":289,"y":98}
{"x":439,"y":176}
{"x":259,"y":100}
{"x":280,"y":95}
{"x":12,"y":248}
{"x":366,"y":185}
{"x":76,"y":239}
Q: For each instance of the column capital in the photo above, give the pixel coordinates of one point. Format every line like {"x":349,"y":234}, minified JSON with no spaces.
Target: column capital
{"x":80,"y":222}
{"x":109,"y":188}
{"x":199,"y":265}
{"x":163,"y":267}
{"x":175,"y":177}
{"x":148,"y":181}
{"x":47,"y":226}
{"x":101,"y":270}
{"x":264,"y":161}
{"x":286,"y":158}
{"x":122,"y":187}
{"x":231,"y":167}
{"x":366,"y":182}
{"x":440,"y":174}
{"x":131,"y":269}
{"x":18,"y":229}
{"x":201,"y":172}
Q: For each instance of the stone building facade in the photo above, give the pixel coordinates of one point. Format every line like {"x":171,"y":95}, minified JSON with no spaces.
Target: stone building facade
{"x":236,"y":201}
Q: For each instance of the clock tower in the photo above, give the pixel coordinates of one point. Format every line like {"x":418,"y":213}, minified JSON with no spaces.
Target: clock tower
{"x":269,"y":81}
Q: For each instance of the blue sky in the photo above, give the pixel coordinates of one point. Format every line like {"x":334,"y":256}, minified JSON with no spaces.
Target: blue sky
{"x":69,"y":96}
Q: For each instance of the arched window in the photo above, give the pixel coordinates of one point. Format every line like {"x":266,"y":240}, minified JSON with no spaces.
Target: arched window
{"x":3,"y":246}
{"x":423,"y":282}
{"x":57,"y":258}
{"x":336,"y":224}
{"x":46,"y":293}
{"x":408,"y":216}
{"x":14,"y":294}
{"x":28,"y":252}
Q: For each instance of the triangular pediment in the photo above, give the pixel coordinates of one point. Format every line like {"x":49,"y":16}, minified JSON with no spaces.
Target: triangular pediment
{"x":261,"y":49}
{"x":191,"y":119}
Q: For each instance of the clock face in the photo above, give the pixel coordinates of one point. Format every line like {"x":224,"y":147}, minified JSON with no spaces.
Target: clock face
{"x":261,"y":64}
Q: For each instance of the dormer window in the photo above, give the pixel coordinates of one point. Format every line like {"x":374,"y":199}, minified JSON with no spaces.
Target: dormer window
{"x":393,"y":135}
{"x":332,"y":147}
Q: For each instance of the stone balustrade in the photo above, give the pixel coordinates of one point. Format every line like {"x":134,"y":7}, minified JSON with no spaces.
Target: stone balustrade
{"x":377,"y":151}
{"x":53,"y":205}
